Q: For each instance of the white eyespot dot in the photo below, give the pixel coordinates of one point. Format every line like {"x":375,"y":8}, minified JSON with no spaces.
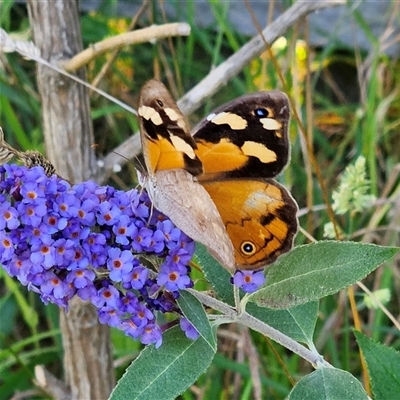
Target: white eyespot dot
{"x":248,"y":248}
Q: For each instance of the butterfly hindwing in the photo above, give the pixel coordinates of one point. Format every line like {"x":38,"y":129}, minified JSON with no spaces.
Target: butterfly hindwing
{"x":259,"y":216}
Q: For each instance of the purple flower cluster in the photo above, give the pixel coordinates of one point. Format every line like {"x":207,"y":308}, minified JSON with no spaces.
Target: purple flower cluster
{"x":94,"y":242}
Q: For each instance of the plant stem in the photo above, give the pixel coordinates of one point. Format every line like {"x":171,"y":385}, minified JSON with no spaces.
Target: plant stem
{"x":248,"y":320}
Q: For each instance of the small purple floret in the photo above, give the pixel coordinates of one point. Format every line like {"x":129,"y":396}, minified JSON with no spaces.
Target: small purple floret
{"x":189,"y":330}
{"x":249,"y":281}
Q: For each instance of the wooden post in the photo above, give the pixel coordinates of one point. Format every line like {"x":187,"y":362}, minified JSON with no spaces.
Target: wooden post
{"x":68,"y":134}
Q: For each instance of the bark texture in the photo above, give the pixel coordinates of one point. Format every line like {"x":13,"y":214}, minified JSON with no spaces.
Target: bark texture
{"x":69,"y":135}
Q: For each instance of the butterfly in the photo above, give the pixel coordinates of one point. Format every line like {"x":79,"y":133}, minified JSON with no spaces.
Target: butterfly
{"x":217,"y":185}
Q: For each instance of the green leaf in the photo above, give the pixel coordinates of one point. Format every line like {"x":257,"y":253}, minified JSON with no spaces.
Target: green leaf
{"x":29,"y":313}
{"x":319,"y":269}
{"x":328,"y":384}
{"x":297,"y":322}
{"x":193,"y":310}
{"x":218,"y":276}
{"x":166,"y":372}
{"x":383,"y":365}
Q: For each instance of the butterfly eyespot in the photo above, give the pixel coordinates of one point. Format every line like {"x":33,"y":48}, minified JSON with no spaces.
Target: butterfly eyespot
{"x":160,"y":103}
{"x":261,"y":112}
{"x":248,"y":248}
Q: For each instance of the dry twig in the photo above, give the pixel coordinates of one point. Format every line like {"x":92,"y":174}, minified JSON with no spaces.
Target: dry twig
{"x":220,"y":75}
{"x":149,"y":34}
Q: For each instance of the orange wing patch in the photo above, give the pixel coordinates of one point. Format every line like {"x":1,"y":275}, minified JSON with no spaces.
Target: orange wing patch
{"x":220,"y":157}
{"x":259,"y":216}
{"x":162,"y":155}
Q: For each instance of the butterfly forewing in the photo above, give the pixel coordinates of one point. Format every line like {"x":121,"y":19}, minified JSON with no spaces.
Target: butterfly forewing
{"x":245,"y":138}
{"x":166,"y":141}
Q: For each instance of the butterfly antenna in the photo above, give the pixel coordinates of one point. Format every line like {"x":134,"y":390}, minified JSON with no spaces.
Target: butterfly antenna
{"x":140,"y":164}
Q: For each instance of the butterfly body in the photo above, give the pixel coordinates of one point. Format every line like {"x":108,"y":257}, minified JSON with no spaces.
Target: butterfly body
{"x":217,"y":186}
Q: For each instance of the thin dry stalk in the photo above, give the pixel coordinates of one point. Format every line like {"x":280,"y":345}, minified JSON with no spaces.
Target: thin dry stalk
{"x":220,"y":75}
{"x":145,"y":35}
